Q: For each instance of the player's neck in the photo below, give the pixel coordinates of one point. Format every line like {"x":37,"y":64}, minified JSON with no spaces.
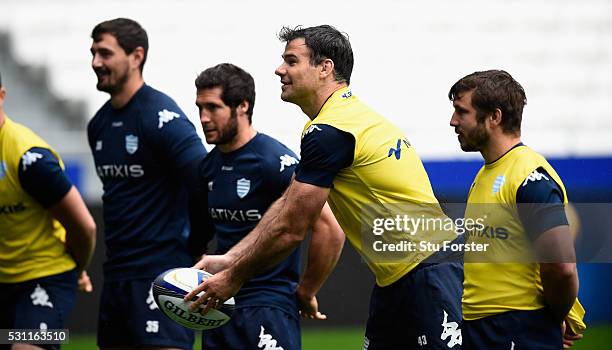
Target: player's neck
{"x":131,"y":86}
{"x":498,"y":146}
{"x":241,"y":139}
{"x":313,"y":108}
{"x":2,"y":117}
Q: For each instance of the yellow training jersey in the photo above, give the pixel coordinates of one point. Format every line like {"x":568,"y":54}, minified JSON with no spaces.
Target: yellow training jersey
{"x":513,"y":283}
{"x":31,"y":240}
{"x":385,"y":170}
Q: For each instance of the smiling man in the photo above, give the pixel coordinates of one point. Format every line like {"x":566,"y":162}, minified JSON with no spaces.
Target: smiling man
{"x":244,"y":174}
{"x":146,"y":152}
{"x":354,"y":158}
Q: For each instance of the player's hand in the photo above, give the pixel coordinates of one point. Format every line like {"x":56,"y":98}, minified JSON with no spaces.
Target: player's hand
{"x":216,"y":290}
{"x":569,"y":337}
{"x":85,"y":283}
{"x":309,"y":306}
{"x":213,"y":263}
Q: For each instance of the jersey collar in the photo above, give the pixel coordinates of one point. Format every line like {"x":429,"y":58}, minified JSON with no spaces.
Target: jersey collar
{"x":341,"y":94}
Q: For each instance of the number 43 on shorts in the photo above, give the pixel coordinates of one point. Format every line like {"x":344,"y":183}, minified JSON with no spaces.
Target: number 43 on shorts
{"x":422,"y":340}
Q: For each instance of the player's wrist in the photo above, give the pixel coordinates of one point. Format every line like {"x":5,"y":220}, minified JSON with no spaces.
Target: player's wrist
{"x":304,"y":292}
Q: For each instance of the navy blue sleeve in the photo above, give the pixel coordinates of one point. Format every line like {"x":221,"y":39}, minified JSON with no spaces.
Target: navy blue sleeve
{"x":201,"y":224}
{"x":540,"y":204}
{"x":175,"y":139}
{"x":325,"y":151}
{"x":42,"y":177}
{"x":176,"y":142}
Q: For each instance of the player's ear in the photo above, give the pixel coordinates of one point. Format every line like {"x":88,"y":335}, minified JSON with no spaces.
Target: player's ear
{"x":2,"y":95}
{"x":137,"y":56}
{"x":327,"y":68}
{"x":243,"y":107}
{"x":496,"y":117}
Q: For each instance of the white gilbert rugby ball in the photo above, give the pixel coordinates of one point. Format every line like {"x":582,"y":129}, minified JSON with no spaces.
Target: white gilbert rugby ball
{"x":169,"y":289}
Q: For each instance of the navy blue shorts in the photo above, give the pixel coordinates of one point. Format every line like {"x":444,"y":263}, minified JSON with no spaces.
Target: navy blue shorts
{"x":42,"y":303}
{"x":129,"y":317}
{"x":534,"y":330}
{"x":255,"y":328}
{"x":422,"y":310}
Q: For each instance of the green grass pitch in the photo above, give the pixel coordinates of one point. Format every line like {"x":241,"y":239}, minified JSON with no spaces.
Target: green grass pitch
{"x":595,"y":338}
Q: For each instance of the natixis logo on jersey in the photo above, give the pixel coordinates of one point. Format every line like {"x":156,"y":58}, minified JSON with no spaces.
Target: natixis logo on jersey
{"x":243,"y":186}
{"x":2,"y":169}
{"x":131,"y":144}
{"x":235,"y":215}
{"x":7,"y":209}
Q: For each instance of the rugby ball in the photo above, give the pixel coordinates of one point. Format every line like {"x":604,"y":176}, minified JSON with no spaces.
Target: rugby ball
{"x":169,"y":289}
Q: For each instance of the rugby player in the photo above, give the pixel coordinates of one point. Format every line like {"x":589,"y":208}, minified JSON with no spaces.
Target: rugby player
{"x":243,"y":175}
{"x":354,"y":158}
{"x":146,"y":154}
{"x":513,"y":302}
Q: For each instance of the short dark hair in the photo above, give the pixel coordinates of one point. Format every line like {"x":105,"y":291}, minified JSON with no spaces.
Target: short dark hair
{"x":494,"y":89}
{"x":0,"y":80}
{"x":129,"y":35}
{"x":236,"y":84}
{"x":324,"y":41}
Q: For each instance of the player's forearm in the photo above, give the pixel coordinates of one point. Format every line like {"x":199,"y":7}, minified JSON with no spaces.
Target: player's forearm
{"x":271,"y":244}
{"x":81,"y":247}
{"x":555,"y":249}
{"x":80,"y":227}
{"x":324,"y":250}
{"x":248,"y":241}
{"x":278,"y":235}
{"x":560,"y":283}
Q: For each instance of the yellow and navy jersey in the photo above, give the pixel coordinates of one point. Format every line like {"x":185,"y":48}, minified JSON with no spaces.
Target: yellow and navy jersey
{"x":366,"y":162}
{"x":31,"y":181}
{"x":517,"y":197}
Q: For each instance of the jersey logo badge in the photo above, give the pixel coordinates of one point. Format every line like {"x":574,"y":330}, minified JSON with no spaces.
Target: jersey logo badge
{"x":166,"y":116}
{"x":287,"y":161}
{"x":266,"y":341}
{"x":499,"y":181}
{"x":150,"y":301}
{"x":242,"y":187}
{"x":535,"y":176}
{"x":398,"y":148}
{"x":2,"y":169}
{"x":452,"y":330}
{"x":99,"y":145}
{"x":131,"y":144}
{"x":311,"y":129}
{"x":347,"y":94}
{"x":116,"y":124}
{"x":40,"y":297}
{"x":30,"y":158}
{"x":210,"y":186}
{"x":397,"y":151}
